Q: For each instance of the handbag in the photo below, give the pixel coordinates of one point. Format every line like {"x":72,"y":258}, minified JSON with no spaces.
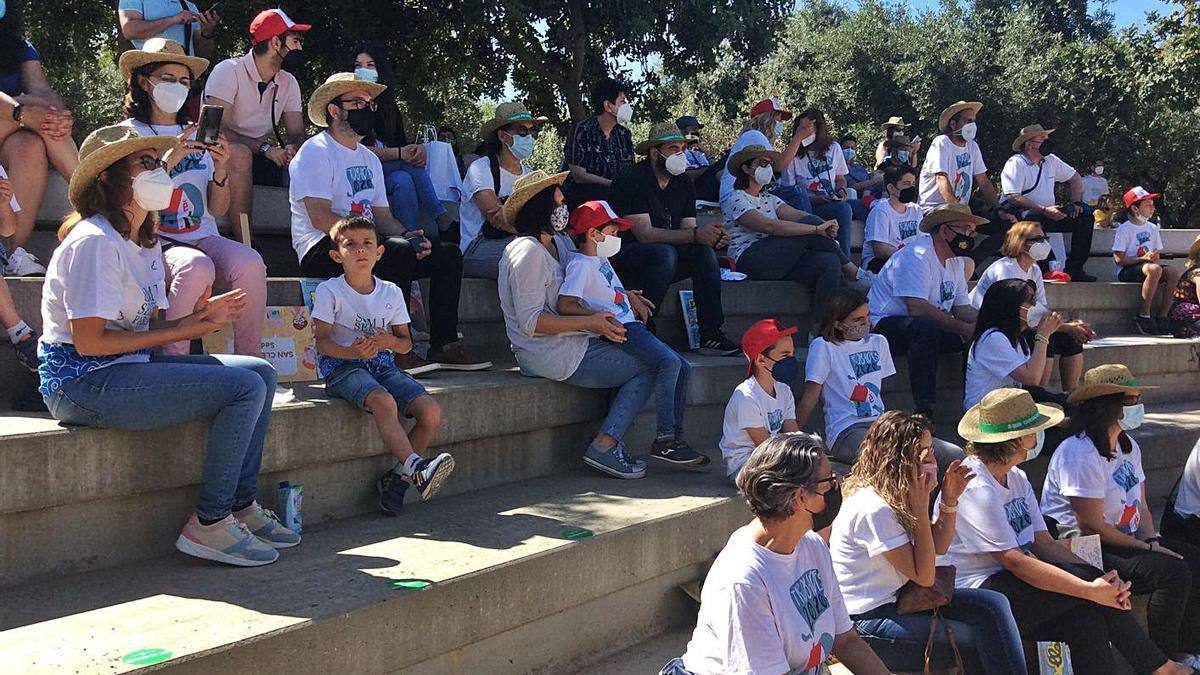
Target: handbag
{"x":915,"y":599}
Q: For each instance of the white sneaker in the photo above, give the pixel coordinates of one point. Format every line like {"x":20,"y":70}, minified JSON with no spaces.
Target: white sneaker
{"x":284,"y":395}
{"x":22,"y":263}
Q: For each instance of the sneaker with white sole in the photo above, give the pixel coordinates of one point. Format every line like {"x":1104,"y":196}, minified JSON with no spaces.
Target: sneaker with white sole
{"x":22,"y":263}
{"x":612,"y":462}
{"x":227,"y":541}
{"x":265,"y":525}
{"x":283,"y":395}
{"x":430,"y":473}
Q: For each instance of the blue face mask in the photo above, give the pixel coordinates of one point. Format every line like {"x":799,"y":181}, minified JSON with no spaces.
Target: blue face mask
{"x":522,"y":146}
{"x":903,"y":156}
{"x":849,"y":154}
{"x":366,"y":74}
{"x":3,"y":8}
{"x":778,"y":129}
{"x":786,"y":370}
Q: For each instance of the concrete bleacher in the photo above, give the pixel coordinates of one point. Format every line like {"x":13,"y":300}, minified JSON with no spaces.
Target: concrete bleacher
{"x":88,"y":574}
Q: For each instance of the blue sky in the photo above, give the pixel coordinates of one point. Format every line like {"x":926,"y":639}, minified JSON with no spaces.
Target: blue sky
{"x":1126,"y":12}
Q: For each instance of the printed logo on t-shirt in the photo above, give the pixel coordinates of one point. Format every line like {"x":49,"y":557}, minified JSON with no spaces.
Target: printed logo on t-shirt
{"x":1143,"y":238}
{"x":363,"y":208}
{"x":1125,"y":477}
{"x":1017,"y":512}
{"x":1131,"y":516}
{"x":867,"y":400}
{"x":963,"y":179}
{"x":946,"y":292}
{"x":619,"y":298}
{"x":774,"y":421}
{"x":185,"y":211}
{"x":808,"y":595}
{"x":359,"y":178}
{"x":364,"y":324}
{"x":908,"y":228}
{"x":193,"y":162}
{"x":865,"y":362}
{"x":818,"y":168}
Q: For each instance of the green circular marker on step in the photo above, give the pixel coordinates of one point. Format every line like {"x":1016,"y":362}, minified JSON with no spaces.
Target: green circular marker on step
{"x":576,"y":533}
{"x":410,"y":584}
{"x":146,"y":657}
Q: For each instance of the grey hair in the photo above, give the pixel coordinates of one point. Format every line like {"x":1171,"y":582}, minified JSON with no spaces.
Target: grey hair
{"x":777,"y":468}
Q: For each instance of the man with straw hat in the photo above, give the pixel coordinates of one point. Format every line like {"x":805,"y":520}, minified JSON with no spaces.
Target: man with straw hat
{"x":894,"y":126}
{"x":954,"y":166}
{"x":1027,"y":185}
{"x":919,"y":301}
{"x":665,"y":244}
{"x":333,"y":176}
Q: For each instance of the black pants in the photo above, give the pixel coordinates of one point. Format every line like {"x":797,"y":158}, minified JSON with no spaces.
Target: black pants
{"x":923,"y":341}
{"x":1173,"y":613}
{"x":1180,"y":528}
{"x":1085,"y":626}
{"x":266,"y":172}
{"x":399,"y":265}
{"x":1081,"y":228}
{"x":651,"y":268}
{"x":1061,"y":344}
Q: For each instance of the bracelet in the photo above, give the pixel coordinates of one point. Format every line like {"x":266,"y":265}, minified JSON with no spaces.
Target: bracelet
{"x":220,"y":183}
{"x":946,"y":508}
{"x":1153,"y":540}
{"x":1149,"y":546}
{"x":1038,"y":337}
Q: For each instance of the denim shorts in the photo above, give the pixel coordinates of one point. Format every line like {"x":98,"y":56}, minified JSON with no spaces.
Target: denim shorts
{"x":353,"y":382}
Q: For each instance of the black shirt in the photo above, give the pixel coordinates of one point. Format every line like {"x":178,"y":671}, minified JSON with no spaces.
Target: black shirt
{"x":637,"y":191}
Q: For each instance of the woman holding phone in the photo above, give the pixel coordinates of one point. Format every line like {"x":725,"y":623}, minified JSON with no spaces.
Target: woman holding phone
{"x":100,"y":302}
{"x":198,"y":259}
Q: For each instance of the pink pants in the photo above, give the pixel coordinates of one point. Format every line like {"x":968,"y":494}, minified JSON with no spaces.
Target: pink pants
{"x":225,"y":265}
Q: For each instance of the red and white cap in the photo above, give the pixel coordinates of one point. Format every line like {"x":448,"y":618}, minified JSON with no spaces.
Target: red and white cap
{"x":272,"y":22}
{"x":760,"y":336}
{"x":1138,"y":194}
{"x":769,"y":104}
{"x":593,"y":214}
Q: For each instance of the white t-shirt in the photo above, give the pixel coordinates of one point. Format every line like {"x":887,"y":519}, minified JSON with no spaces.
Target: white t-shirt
{"x":991,"y":519}
{"x":751,"y":407}
{"x":593,"y":280}
{"x":187,"y":218}
{"x":960,"y":164}
{"x":866,"y":528}
{"x":1019,"y":174}
{"x":749,"y":137}
{"x":915,"y":272}
{"x":96,"y":272}
{"x":479,"y":177}
{"x":767,"y":612}
{"x":353,"y":315}
{"x":1187,"y":501}
{"x":1135,"y":240}
{"x":990,"y":363}
{"x":817,"y":174}
{"x":1008,"y":268}
{"x":352,"y":181}
{"x":1093,"y":187}
{"x":851,"y":374}
{"x":886,"y":226}
{"x":1078,"y":470}
{"x":12,"y":201}
{"x":737,"y":202}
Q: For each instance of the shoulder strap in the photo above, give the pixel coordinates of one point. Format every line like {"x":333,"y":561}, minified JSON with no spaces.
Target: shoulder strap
{"x":1035,"y":180}
{"x":494,"y":165}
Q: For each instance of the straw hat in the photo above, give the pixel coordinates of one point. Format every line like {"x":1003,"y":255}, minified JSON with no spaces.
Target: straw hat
{"x":748,"y":153}
{"x":507,"y":113}
{"x":1112,"y":378}
{"x":663,"y":132}
{"x":950,"y":213}
{"x":103,"y":148}
{"x":160,"y":50}
{"x":1031,"y":131}
{"x":337,"y":85}
{"x":954,"y":109}
{"x":894,"y":121}
{"x":1005,"y":414}
{"x":526,"y":187}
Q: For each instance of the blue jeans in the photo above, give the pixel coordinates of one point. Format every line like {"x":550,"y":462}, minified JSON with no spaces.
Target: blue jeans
{"x":984,"y":630}
{"x":843,"y":214}
{"x":607,"y":366}
{"x":353,"y":382}
{"x":671,"y":376}
{"x":794,"y":196}
{"x":409,"y":190}
{"x":923,"y":341}
{"x":809,"y":260}
{"x":652,"y":268}
{"x":235,"y":391}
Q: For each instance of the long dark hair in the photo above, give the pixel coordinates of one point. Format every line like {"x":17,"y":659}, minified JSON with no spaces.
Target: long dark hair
{"x":1001,"y":309}
{"x":1093,"y":418}
{"x":107,"y":196}
{"x":137,"y":100}
{"x":389,"y":123}
{"x":12,"y":38}
{"x":534,"y":218}
{"x":821,"y":145}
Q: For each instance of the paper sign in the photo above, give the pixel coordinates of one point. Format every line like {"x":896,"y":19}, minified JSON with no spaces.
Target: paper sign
{"x":287,"y":343}
{"x":691,"y":324}
{"x":308,"y":291}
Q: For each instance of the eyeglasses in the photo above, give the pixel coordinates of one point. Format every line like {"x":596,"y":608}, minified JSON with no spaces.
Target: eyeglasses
{"x":955,"y":230}
{"x":150,"y":163}
{"x":524,"y":131}
{"x":1132,"y":400}
{"x":171,"y":79}
{"x":834,"y":481}
{"x":356,"y":104}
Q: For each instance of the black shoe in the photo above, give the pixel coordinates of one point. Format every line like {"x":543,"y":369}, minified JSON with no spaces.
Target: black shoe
{"x":1148,"y":326}
{"x":1163,"y":326}
{"x":677,"y":451}
{"x":1080,"y":275}
{"x":391,"y":487}
{"x":429,"y":474}
{"x":718,"y":345}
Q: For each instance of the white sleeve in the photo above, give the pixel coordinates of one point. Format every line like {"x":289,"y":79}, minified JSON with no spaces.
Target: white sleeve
{"x":324,"y":304}
{"x":996,"y":355}
{"x":380,"y":196}
{"x":1121,"y":238}
{"x":311,"y":174}
{"x":839,"y":161}
{"x":816,"y":366}
{"x":479,"y":177}
{"x":1155,"y":241}
{"x":982,"y":524}
{"x":877,"y":225}
{"x":977,"y":165}
{"x":1009,"y":176}
{"x":400,"y":315}
{"x":787,"y":400}
{"x":526,"y":286}
{"x":735,"y":204}
{"x":837,"y":605}
{"x":941,"y":158}
{"x":94,"y":283}
{"x":1040,"y":295}
{"x":962,"y":295}
{"x":912,"y":279}
{"x":880,"y":531}
{"x":1062,"y":170}
{"x":574,"y":279}
{"x":1080,"y":475}
{"x":887,"y":367}
{"x":746,"y":413}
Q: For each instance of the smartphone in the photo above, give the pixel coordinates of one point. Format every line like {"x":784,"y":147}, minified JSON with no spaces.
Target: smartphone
{"x":210,"y":124}
{"x":218,"y":8}
{"x":915,"y":140}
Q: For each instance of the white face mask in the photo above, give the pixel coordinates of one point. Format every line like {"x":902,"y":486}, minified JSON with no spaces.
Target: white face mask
{"x":763,"y":175}
{"x":559,"y":218}
{"x":1034,"y":315}
{"x":1133,"y":417}
{"x":608,"y":246}
{"x":676,"y":164}
{"x":1036,"y":449}
{"x":1099,"y":171}
{"x":624,"y":113}
{"x":808,"y":140}
{"x":169,"y":96}
{"x":968,"y":131}
{"x":1039,"y":251}
{"x":152,"y":190}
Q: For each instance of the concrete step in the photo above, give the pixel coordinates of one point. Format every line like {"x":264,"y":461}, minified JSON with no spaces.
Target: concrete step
{"x":508,"y":591}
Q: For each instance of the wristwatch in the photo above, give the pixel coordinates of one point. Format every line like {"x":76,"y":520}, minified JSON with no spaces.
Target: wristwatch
{"x":264,"y":148}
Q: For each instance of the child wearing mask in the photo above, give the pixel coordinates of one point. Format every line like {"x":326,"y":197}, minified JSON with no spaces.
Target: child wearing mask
{"x":762,"y":406}
{"x":591,"y":285}
{"x":894,"y":223}
{"x":1136,"y":248}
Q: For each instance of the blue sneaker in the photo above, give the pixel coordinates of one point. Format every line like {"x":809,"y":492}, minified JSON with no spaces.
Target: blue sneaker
{"x":227,"y":541}
{"x":265,"y":525}
{"x":614,"y":462}
{"x":391,"y":487}
{"x":431,"y":473}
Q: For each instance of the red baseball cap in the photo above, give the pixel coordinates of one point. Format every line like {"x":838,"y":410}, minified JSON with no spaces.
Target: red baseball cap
{"x":594,"y":214}
{"x":764,"y":333}
{"x":768,"y":104}
{"x":272,"y":22}
{"x":1138,"y":194}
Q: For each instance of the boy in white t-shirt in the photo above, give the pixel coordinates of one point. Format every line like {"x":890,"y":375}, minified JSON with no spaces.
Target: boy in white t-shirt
{"x":591,"y":285}
{"x":1136,"y":247}
{"x":763,"y":405}
{"x":360,"y":322}
{"x":24,"y":339}
{"x":893,"y":223}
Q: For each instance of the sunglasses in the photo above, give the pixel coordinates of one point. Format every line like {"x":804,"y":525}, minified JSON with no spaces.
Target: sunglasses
{"x":151,"y":163}
{"x":524,"y":131}
{"x":356,"y":104}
